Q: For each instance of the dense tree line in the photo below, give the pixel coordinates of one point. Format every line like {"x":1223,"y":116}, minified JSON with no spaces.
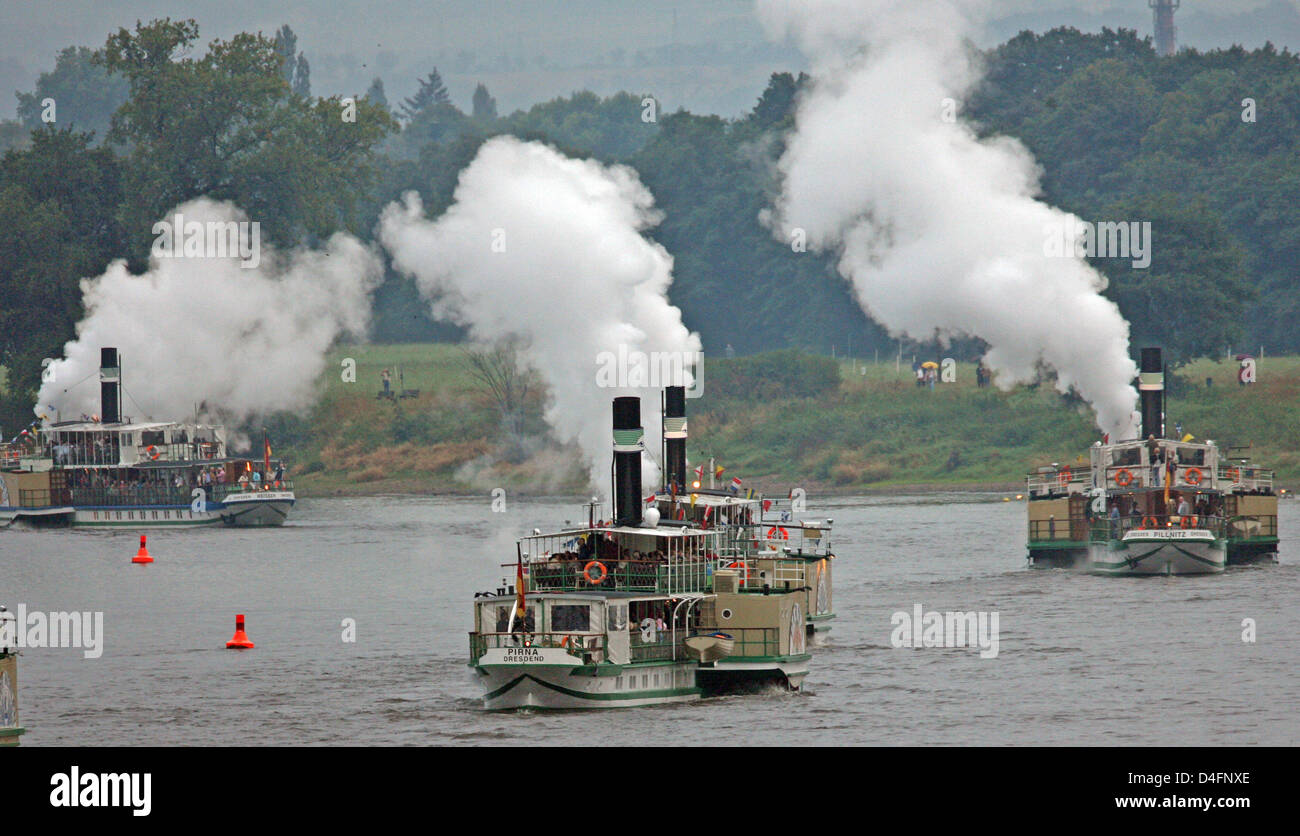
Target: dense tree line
{"x":142,"y":125}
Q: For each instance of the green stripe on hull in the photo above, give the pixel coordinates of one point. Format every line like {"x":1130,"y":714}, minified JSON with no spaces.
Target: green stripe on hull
{"x":583,"y":695}
{"x":141,"y":523}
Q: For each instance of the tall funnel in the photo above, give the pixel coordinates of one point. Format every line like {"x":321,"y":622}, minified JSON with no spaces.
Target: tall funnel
{"x":110,"y":382}
{"x":629,"y":443}
{"x":675,"y":437}
{"x":1151,"y":389}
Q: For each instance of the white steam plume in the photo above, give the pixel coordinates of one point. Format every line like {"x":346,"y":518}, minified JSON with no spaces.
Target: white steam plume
{"x":937,"y":229}
{"x":204,"y":329}
{"x":550,"y":250}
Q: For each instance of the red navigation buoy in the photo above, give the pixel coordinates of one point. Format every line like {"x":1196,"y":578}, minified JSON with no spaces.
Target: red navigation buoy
{"x":142,"y":556}
{"x":240,"y":640}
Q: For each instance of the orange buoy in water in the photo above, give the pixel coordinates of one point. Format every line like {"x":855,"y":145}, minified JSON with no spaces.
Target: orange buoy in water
{"x":142,"y":556}
{"x":240,"y":640}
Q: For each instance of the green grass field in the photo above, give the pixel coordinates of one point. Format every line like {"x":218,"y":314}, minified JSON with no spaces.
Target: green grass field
{"x":875,"y":430}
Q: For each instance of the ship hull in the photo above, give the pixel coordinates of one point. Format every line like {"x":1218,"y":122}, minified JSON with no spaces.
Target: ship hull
{"x":267,"y":509}
{"x":543,"y":686}
{"x":258,"y":509}
{"x":739,"y":673}
{"x":1150,"y":555}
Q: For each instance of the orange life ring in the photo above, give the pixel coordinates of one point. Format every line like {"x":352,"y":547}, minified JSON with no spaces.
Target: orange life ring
{"x":586,"y":573}
{"x":1188,"y":521}
{"x":1063,"y":476}
{"x":776,"y":532}
{"x":739,"y":564}
{"x":152,"y":451}
{"x":1123,"y":477}
{"x":1150,"y":522}
{"x":1234,"y":474}
{"x":1193,"y":476}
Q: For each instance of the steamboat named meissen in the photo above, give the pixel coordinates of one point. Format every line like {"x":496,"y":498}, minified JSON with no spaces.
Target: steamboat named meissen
{"x":1153,"y":505}
{"x":703,"y":591}
{"x":112,"y":472}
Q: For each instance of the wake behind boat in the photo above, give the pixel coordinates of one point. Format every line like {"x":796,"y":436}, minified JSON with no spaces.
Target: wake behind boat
{"x":111,"y":472}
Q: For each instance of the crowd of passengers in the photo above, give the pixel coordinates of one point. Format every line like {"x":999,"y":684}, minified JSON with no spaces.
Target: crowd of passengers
{"x":148,"y":481}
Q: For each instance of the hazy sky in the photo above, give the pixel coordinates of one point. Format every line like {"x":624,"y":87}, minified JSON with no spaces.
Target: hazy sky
{"x":709,"y":55}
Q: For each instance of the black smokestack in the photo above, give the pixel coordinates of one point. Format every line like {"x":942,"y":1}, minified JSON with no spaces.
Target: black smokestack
{"x":629,"y":442}
{"x":110,"y":381}
{"x":1151,"y":389}
{"x":675,"y":437}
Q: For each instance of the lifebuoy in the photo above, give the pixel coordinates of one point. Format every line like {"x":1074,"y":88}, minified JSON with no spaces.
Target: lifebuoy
{"x":1193,"y":476}
{"x":739,"y":564}
{"x":1063,"y":476}
{"x":1234,"y":474}
{"x":152,"y":451}
{"x":1188,"y":521}
{"x":1150,"y":522}
{"x":778,"y":532}
{"x":1123,"y":477}
{"x":586,"y":573}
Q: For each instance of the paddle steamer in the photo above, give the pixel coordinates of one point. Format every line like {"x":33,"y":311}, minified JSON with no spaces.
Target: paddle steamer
{"x":112,"y":472}
{"x":1152,"y":505}
{"x":653,"y":606}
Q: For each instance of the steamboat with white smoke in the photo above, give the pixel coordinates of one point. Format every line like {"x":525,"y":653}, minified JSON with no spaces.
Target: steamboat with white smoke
{"x":653,"y":606}
{"x":1153,"y":505}
{"x":108,"y":471}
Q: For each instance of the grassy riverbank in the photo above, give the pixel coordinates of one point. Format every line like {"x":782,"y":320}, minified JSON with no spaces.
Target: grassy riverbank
{"x":774,"y":420}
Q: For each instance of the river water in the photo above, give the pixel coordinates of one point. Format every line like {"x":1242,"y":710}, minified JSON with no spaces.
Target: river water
{"x":1082,"y":660}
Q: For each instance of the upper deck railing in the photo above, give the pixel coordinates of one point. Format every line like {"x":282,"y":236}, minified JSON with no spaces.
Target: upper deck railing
{"x":1244,"y":477}
{"x":667,"y":577}
{"x":1121,"y":477}
{"x":798,"y":538}
{"x":1114,"y":528}
{"x":1073,"y":479}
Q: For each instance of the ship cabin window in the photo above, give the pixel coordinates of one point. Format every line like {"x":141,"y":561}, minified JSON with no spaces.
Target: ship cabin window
{"x":154,"y":437}
{"x":1128,"y":457}
{"x":527,"y":624}
{"x":571,"y":618}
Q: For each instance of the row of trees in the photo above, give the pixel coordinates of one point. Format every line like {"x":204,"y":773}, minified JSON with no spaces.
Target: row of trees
{"x":143,"y":125}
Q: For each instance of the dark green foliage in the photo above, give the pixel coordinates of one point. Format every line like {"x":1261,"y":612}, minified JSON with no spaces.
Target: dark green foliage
{"x":1117,"y":129}
{"x":774,"y":374}
{"x":84,"y":92}
{"x":57,"y":224}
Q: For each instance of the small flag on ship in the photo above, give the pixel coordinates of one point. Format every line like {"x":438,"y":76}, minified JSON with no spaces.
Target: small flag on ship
{"x":735,"y":484}
{"x":717,"y":472}
{"x":699,"y":473}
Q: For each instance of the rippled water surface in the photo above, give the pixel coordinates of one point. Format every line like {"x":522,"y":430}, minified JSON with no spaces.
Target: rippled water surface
{"x":1082,"y":659}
